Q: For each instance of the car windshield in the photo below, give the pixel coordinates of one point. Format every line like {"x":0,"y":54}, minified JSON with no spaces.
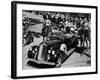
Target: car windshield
{"x":58,"y":35}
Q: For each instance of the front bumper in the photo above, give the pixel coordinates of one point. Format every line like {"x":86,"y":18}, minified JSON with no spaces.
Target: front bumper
{"x":34,"y":62}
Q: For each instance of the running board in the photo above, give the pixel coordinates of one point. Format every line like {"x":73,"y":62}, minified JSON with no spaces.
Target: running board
{"x":70,"y":51}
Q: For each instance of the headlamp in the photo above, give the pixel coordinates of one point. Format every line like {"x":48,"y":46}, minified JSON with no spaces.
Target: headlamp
{"x":49,"y":51}
{"x":53,"y":52}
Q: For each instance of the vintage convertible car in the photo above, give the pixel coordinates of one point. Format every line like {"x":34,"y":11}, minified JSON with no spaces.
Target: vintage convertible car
{"x":54,"y":51}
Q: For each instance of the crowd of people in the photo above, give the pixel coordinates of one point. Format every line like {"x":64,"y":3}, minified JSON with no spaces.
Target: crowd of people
{"x":78,"y":25}
{"x":61,"y":22}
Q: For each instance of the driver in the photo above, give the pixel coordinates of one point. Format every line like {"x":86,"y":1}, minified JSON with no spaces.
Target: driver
{"x":69,"y":34}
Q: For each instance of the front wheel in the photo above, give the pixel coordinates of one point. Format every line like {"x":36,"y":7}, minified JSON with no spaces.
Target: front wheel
{"x":59,"y":61}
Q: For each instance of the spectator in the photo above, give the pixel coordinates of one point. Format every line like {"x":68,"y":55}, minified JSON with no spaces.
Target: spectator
{"x":46,"y":16}
{"x":52,"y":18}
{"x":56,"y":19}
{"x":46,"y":31}
{"x":62,"y":18}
